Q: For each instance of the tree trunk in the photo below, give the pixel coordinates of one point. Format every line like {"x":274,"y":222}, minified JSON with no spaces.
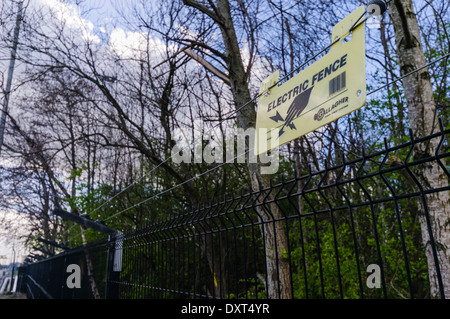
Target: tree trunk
{"x":423,"y":121}
{"x":89,"y":266}
{"x":216,"y":256}
{"x":278,"y":272}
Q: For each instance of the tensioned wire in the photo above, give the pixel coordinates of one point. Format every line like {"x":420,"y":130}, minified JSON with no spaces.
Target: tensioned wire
{"x":243,"y":154}
{"x":287,"y":76}
{"x":226,"y":119}
{"x":216,"y":125}
{"x":355,"y":25}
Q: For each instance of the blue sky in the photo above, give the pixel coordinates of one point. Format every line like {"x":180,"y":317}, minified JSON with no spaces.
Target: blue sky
{"x":106,"y":14}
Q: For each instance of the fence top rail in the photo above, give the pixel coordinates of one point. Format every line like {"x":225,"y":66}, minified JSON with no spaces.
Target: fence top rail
{"x":79,"y":249}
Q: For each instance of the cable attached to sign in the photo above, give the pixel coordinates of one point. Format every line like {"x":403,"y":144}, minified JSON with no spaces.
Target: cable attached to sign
{"x":335,"y":85}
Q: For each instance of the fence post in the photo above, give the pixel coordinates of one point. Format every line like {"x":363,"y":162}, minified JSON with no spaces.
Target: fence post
{"x":113,"y":266}
{"x":108,"y":248}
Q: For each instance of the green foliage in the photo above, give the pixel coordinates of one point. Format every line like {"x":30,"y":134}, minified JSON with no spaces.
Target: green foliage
{"x":330,"y":252}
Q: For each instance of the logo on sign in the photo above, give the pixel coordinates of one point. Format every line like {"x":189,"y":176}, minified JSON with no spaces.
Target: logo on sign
{"x":319,"y":115}
{"x":337,"y":106}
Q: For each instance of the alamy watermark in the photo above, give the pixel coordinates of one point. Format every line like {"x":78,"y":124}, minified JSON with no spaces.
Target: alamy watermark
{"x":374,"y":279}
{"x":232,"y":145}
{"x":375,"y":10}
{"x":74,"y":279}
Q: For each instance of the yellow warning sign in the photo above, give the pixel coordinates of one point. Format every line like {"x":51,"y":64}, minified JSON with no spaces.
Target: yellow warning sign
{"x":332,"y":87}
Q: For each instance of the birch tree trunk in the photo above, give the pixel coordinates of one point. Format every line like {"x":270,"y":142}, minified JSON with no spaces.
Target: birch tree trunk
{"x":423,"y":121}
{"x":278,"y":272}
{"x":89,"y":266}
{"x":278,"y":280}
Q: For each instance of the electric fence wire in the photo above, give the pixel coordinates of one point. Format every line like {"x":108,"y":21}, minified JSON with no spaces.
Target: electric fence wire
{"x":410,"y":73}
{"x":287,"y":76}
{"x":253,"y":100}
{"x":243,"y":154}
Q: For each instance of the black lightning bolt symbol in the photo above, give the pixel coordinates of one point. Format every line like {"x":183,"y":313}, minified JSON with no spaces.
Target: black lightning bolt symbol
{"x":295,"y":109}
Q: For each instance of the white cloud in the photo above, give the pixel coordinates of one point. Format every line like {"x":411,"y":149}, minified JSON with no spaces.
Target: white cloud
{"x":13,"y":227}
{"x":126,"y":44}
{"x":130,"y":44}
{"x":70,"y":16}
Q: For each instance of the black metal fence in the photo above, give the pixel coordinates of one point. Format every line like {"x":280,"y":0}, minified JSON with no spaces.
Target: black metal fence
{"x":354,"y":230}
